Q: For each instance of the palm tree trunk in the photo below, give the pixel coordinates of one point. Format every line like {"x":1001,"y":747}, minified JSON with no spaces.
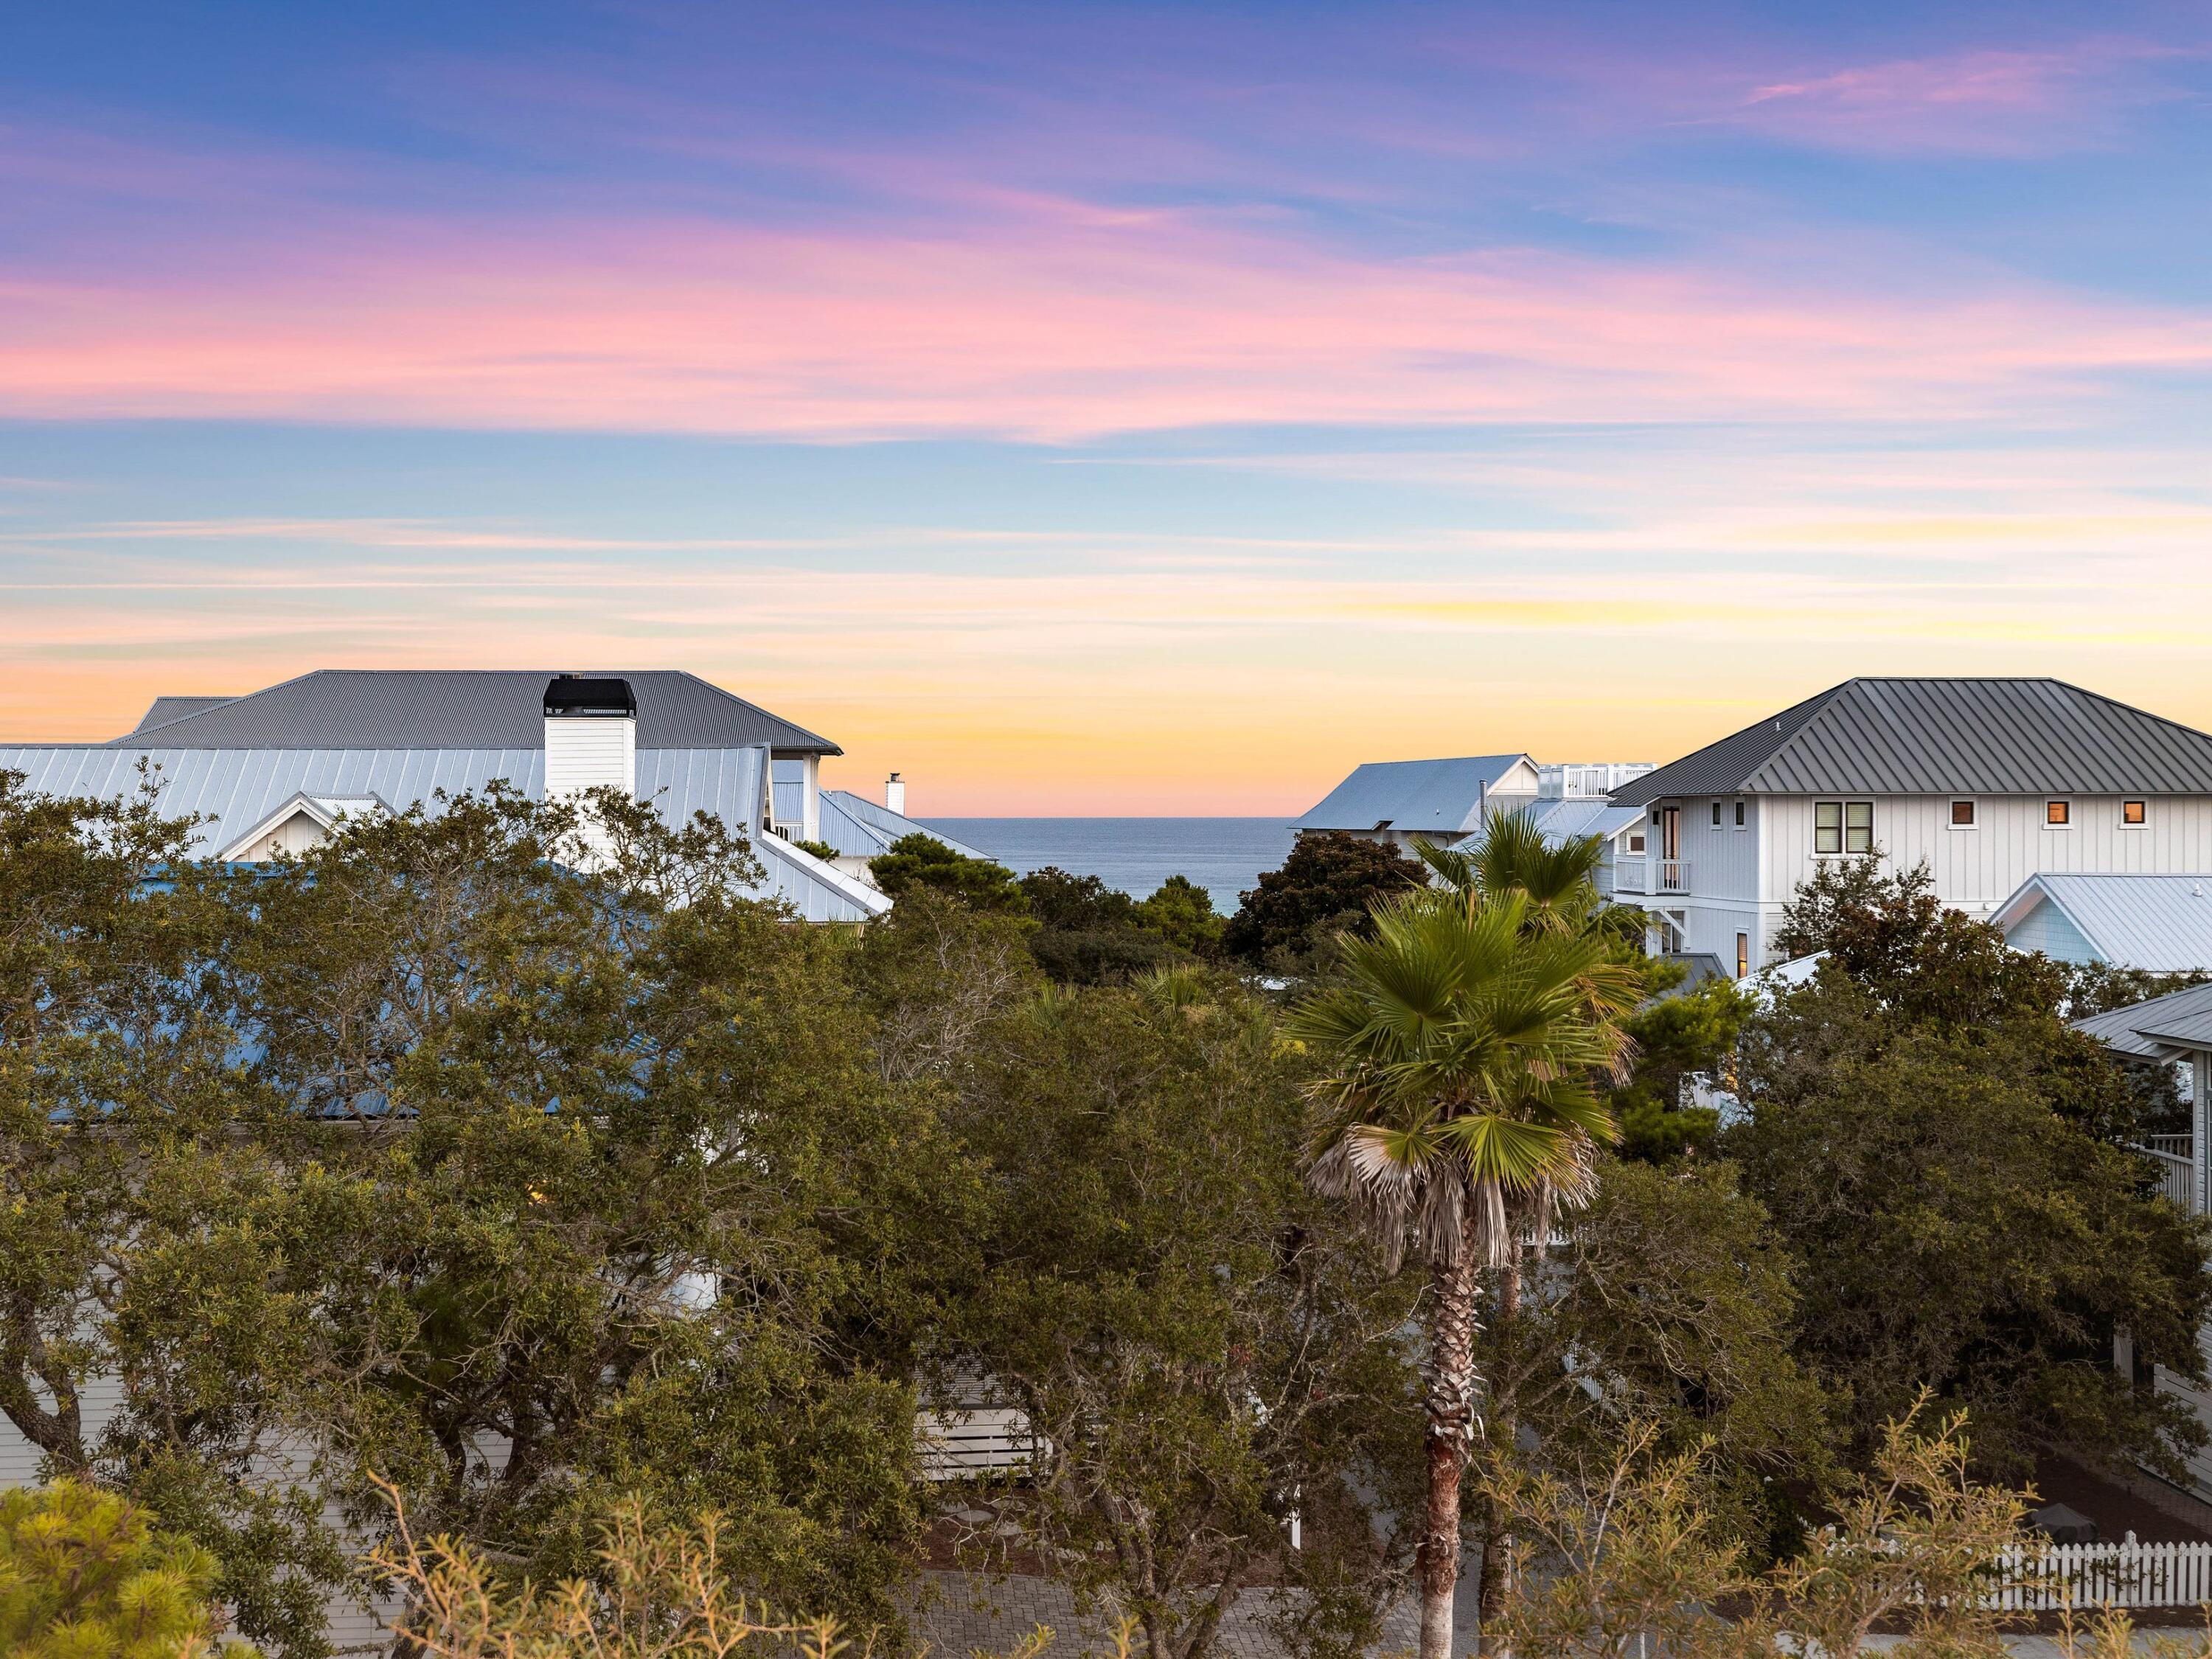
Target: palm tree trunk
{"x":1495,"y":1581}
{"x":1450,"y":1437}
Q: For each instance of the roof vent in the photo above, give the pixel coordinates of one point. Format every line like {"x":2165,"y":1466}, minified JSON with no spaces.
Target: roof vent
{"x":572,"y":697}
{"x":2197,"y":889}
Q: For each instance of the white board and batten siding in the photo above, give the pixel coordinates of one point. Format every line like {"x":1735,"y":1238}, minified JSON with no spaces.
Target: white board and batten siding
{"x":1740,"y":880}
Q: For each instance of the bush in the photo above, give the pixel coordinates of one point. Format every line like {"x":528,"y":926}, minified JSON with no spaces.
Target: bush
{"x":83,"y":1575}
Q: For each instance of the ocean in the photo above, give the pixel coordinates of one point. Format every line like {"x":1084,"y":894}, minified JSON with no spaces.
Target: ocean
{"x":1225,"y":856}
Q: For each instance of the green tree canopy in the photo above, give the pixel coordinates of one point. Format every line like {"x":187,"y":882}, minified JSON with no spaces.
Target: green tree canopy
{"x":1327,"y":885}
{"x":920,"y":860}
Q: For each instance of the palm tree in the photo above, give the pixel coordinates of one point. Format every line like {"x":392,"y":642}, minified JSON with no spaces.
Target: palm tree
{"x":1459,"y":1107}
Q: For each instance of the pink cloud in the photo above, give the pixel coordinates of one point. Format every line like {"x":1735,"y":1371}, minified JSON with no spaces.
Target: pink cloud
{"x":1989,"y":102}
{"x":1049,"y":318}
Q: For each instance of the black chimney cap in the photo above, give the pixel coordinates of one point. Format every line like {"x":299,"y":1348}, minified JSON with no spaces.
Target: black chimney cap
{"x":572,"y":697}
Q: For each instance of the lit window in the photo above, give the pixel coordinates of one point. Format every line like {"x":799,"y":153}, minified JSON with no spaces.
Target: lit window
{"x":1742,"y":955}
{"x":1738,"y":815}
{"x":1859,"y":826}
{"x":2133,"y":812}
{"x":1962,"y":815}
{"x":2058,"y":813}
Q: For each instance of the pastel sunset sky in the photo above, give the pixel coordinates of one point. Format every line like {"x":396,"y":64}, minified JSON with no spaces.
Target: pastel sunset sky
{"x":1111,"y":407}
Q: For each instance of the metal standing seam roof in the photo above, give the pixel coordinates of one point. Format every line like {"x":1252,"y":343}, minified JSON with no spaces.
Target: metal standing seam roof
{"x":457,"y":709}
{"x":1443,"y":796}
{"x":235,"y":789}
{"x":2157,"y":922}
{"x":859,"y":829}
{"x":1925,"y":737}
{"x":2181,"y":1019}
{"x":1559,"y":821}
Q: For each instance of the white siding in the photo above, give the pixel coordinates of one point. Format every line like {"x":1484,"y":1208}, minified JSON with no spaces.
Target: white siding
{"x":1740,"y":880}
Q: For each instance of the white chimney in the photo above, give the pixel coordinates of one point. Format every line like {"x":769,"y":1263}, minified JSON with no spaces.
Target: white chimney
{"x":895,"y":795}
{"x":591,"y":737}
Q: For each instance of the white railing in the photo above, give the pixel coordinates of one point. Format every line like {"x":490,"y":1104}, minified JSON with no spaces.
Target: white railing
{"x":2129,"y":1575}
{"x":2171,"y":1146}
{"x":977,"y":1440}
{"x":2177,"y":1172}
{"x":1672,"y":876}
{"x":1631,"y":875}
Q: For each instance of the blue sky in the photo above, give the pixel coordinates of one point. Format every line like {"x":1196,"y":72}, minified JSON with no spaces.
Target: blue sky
{"x":1110,"y":407}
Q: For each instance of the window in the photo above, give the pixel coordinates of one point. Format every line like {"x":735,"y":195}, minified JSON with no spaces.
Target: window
{"x":2057,"y":814}
{"x":1859,"y":826}
{"x":1742,"y":955}
{"x":1843,"y":826}
{"x":1716,"y":815}
{"x":1636,"y":843}
{"x":1827,"y":826}
{"x":1962,"y":815}
{"x":1738,"y":815}
{"x":2133,"y":814}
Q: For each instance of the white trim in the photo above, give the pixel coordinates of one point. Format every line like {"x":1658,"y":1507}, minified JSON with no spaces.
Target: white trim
{"x":323,"y":812}
{"x":1952,"y":824}
{"x":2049,"y":801}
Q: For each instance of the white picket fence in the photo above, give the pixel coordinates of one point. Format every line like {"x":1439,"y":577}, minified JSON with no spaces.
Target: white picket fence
{"x":2129,"y":1575}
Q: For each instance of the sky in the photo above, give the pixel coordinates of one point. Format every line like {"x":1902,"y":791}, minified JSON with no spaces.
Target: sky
{"x":1102,"y":408}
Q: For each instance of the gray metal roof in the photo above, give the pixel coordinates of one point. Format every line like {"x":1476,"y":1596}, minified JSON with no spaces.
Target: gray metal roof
{"x":459,"y":708}
{"x":1443,"y":796}
{"x":1932,"y":737}
{"x":165,"y":709}
{"x":2149,"y":1030}
{"x":859,"y":829}
{"x":235,"y":789}
{"x":2159,"y":923}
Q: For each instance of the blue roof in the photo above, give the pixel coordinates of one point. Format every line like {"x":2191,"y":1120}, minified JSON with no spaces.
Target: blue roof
{"x":859,"y":829}
{"x":236,"y":789}
{"x":1433,"y":797}
{"x":1583,"y":815}
{"x":2159,"y":923}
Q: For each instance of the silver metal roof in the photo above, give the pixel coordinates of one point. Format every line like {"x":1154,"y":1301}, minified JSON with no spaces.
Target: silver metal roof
{"x":1932,"y":737}
{"x":2153,"y":1030}
{"x":235,"y":789}
{"x":2160,"y":923}
{"x":461,"y":708}
{"x":1559,"y":820}
{"x":1441,"y":797}
{"x":859,"y":829}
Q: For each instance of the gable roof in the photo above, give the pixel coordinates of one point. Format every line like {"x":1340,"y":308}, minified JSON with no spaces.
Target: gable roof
{"x":2149,"y":1030}
{"x":861,"y":828}
{"x":2159,"y":923}
{"x":456,"y":709}
{"x":1443,"y":796}
{"x":1932,"y":737}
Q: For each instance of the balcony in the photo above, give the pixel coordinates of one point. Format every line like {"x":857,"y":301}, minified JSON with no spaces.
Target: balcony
{"x":1636,"y":875}
{"x":2177,"y":1172}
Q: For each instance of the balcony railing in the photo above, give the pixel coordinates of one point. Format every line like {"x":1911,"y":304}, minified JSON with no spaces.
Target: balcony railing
{"x":1671,"y":876}
{"x":1643,"y":875}
{"x":1630,"y":875}
{"x":2177,"y":1167}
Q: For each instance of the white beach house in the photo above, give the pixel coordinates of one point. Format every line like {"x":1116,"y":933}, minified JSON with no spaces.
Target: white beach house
{"x":1989,"y":782}
{"x":273,"y":769}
